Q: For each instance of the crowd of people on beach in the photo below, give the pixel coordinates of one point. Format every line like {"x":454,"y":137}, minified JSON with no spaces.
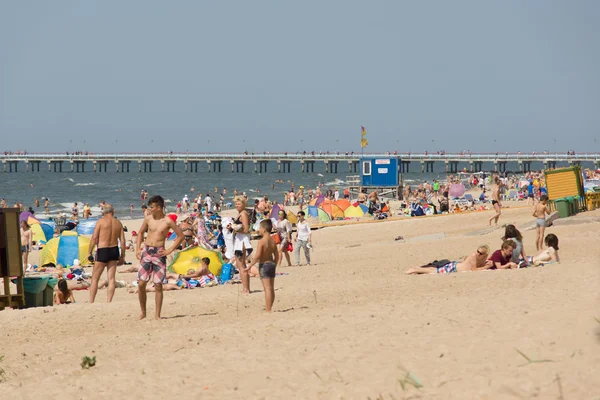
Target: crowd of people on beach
{"x":201,"y":227}
{"x":196,"y":221}
{"x":511,"y":253}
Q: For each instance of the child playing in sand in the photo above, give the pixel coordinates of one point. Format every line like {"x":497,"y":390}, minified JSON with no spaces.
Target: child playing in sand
{"x":266,"y":256}
{"x":63,"y":295}
{"x":153,"y":259}
{"x":539,"y":212}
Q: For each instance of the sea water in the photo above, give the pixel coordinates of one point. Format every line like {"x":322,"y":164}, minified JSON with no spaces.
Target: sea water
{"x":123,"y":188}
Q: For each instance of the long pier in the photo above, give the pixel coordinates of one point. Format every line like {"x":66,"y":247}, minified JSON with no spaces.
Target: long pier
{"x":246,"y":162}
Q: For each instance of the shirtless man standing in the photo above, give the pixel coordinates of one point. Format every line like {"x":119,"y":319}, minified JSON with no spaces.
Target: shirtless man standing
{"x":153,"y":259}
{"x":106,"y":235}
{"x":496,"y":201}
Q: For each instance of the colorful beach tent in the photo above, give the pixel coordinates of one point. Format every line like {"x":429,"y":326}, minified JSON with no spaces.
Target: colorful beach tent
{"x":66,"y":248}
{"x":318,"y":200}
{"x":333,"y":210}
{"x":41,"y":232}
{"x":342,"y":203}
{"x":312,"y":211}
{"x":190,"y":259}
{"x":353,"y":212}
{"x":292,"y":217}
{"x":364,"y":208}
{"x":25,"y":215}
{"x":275,"y":210}
{"x":322,"y":215}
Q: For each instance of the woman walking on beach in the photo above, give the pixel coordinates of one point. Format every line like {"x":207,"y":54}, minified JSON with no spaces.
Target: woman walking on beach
{"x":242,"y":246}
{"x":496,"y":202}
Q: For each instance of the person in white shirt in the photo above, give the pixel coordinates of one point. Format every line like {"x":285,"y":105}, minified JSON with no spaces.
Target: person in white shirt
{"x":336,"y":195}
{"x":208,"y":200}
{"x":303,"y":238}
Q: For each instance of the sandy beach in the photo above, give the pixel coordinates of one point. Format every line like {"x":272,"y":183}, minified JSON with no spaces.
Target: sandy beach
{"x":350,"y":326}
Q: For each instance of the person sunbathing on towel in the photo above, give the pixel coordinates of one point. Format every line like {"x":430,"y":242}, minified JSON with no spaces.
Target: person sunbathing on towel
{"x":473,"y":262}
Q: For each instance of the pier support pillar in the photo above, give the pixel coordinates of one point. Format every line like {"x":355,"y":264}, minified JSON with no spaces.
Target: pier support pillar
{"x":404,"y":166}
{"x":426,"y":166}
{"x":26,"y":166}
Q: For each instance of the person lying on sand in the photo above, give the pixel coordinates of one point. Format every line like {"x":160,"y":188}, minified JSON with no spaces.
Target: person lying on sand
{"x":202,"y":270}
{"x":167,"y":285}
{"x":131,"y":268}
{"x":502,"y":258}
{"x":547,"y":255}
{"x":63,"y":295}
{"x":473,"y":262}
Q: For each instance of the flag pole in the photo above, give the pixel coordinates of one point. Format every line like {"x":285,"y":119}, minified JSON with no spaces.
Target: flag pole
{"x":360,"y":163}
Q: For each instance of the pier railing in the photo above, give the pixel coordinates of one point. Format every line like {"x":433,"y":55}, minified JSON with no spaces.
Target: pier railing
{"x":461,"y":157}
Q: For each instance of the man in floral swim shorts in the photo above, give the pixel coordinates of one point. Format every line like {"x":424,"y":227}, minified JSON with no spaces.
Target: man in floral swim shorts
{"x":153,"y":259}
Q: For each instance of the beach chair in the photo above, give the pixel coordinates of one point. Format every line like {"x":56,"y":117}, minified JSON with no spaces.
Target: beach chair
{"x":60,"y":224}
{"x":513,"y":194}
{"x":469,"y":198}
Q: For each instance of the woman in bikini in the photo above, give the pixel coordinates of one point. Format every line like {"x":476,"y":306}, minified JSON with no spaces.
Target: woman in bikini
{"x":188,"y":232}
{"x":496,"y":202}
{"x":242,"y":246}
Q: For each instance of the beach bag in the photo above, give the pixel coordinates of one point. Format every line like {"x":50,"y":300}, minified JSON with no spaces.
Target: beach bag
{"x":290,"y":247}
{"x":226,"y":272}
{"x":276,"y":238}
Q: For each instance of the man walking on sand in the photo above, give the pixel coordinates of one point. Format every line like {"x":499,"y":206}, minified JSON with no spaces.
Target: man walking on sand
{"x":153,"y":259}
{"x":107,"y":234}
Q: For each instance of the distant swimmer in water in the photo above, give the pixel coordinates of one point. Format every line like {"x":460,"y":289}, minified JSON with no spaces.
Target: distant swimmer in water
{"x":31,"y":184}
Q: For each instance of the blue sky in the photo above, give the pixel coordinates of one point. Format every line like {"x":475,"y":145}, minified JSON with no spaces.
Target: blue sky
{"x":279,"y":75}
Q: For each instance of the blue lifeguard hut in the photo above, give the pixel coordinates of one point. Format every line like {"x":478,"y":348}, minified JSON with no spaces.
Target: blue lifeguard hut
{"x":381,"y":172}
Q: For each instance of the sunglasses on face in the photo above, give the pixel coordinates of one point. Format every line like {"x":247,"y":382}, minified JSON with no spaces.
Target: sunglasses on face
{"x":481,"y":254}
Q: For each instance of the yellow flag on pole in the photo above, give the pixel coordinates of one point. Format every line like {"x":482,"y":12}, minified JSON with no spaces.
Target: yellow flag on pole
{"x":363,"y":141}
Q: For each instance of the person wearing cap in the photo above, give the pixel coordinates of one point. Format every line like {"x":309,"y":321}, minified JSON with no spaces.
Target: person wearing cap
{"x":107,"y":234}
